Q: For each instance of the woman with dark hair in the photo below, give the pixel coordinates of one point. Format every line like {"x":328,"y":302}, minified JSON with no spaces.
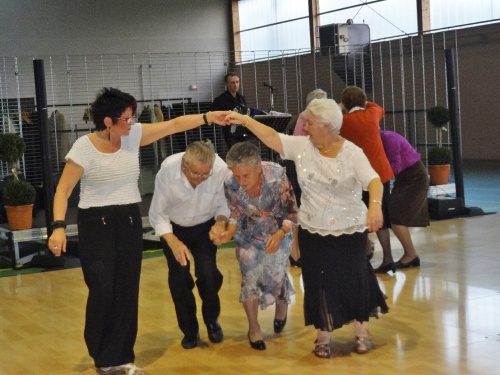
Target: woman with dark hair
{"x":361,"y":126}
{"x":109,"y":222}
{"x":339,"y":284}
{"x":263,"y":213}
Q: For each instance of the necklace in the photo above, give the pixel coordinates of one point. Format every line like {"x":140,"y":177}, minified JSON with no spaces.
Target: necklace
{"x":324,"y":151}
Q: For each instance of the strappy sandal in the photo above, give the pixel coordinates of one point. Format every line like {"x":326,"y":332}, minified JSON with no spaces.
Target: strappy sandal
{"x":322,"y":350}
{"x":132,"y":370}
{"x":122,"y":370}
{"x":116,"y":370}
{"x":363,"y":345}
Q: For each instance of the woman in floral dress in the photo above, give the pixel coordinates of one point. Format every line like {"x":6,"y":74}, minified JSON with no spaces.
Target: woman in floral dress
{"x":263,"y":213}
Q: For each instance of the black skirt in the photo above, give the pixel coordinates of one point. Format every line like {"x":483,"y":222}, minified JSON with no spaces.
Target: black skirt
{"x":339,"y":283}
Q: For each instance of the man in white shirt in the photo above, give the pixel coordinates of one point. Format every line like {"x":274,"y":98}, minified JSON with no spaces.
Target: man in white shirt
{"x":188,"y":202}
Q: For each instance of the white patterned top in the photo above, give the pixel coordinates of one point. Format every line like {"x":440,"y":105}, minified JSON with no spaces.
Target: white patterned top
{"x":331,"y":187}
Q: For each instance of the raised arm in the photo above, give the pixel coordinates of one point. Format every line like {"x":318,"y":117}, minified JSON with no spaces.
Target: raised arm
{"x":266,"y":134}
{"x":153,"y":132}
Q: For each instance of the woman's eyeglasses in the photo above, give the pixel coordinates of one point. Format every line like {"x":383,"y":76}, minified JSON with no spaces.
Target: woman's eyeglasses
{"x":128,"y":120}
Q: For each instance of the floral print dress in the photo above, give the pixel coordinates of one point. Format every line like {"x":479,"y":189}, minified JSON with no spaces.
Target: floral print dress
{"x":263,"y":275}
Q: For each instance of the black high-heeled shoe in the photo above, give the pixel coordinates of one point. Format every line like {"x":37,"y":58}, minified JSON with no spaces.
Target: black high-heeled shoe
{"x":415,"y":262}
{"x":295,"y":263}
{"x":257,"y":345}
{"x":279,"y":325}
{"x":384,"y":268}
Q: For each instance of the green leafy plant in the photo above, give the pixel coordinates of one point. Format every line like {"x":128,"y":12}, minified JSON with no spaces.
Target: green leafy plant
{"x":439,"y":116}
{"x":439,"y":156}
{"x":16,"y":192}
{"x":11,"y":148}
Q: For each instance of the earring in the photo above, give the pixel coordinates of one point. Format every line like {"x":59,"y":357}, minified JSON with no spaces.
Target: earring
{"x":109,"y":134}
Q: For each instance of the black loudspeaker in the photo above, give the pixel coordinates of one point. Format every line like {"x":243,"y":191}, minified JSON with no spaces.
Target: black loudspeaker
{"x":349,"y":48}
{"x":445,"y":207}
{"x":344,"y":38}
{"x":329,"y":39}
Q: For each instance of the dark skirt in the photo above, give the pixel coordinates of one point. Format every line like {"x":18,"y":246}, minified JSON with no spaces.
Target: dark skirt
{"x":408,"y":201}
{"x":339,"y":283}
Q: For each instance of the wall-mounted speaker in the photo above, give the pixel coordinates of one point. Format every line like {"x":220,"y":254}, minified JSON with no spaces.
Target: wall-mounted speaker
{"x":349,"y":46}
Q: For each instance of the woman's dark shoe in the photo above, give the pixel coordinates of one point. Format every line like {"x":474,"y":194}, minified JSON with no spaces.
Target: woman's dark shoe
{"x":279,"y":325}
{"x":257,"y":345}
{"x":415,"y":262}
{"x":384,"y":268}
{"x":294,"y":263}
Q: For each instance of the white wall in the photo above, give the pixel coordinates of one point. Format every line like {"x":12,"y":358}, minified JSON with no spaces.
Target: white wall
{"x":69,"y":27}
{"x":88,"y":44}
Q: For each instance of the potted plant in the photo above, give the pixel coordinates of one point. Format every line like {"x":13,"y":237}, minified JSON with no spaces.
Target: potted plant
{"x":18,"y":195}
{"x":439,"y":157}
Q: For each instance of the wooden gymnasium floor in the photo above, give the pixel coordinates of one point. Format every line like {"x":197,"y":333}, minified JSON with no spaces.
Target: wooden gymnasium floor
{"x":443,"y":318}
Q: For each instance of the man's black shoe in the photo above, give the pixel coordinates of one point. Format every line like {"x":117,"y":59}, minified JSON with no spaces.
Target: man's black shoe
{"x":215,"y":332}
{"x":190,"y":343}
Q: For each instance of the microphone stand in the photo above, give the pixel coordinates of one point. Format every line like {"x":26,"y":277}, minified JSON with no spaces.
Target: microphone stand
{"x":272,"y":95}
{"x":272,"y":99}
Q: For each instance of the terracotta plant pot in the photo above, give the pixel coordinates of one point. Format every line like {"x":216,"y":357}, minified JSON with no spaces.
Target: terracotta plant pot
{"x":439,"y":174}
{"x":20,"y":217}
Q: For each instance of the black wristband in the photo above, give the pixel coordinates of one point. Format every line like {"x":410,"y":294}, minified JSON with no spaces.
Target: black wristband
{"x":58,"y":224}
{"x":205,"y":118}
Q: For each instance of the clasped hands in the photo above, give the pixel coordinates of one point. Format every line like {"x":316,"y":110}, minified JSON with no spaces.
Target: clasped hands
{"x":219,"y":234}
{"x":226,"y":117}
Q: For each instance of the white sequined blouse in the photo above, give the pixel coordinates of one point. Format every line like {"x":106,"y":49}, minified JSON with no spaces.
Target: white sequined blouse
{"x":331,"y":187}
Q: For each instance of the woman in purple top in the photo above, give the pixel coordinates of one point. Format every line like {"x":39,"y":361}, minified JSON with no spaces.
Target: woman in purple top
{"x":408,"y":200}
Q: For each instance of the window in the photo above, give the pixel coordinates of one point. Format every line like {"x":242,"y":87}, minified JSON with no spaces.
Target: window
{"x":284,"y":24}
{"x":386,"y":19}
{"x":273,"y":24}
{"x":453,"y":13}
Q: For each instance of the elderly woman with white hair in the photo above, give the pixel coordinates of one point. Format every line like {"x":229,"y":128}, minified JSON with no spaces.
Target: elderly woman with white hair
{"x":300,"y":126}
{"x":339,"y":284}
{"x":263,"y":214}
